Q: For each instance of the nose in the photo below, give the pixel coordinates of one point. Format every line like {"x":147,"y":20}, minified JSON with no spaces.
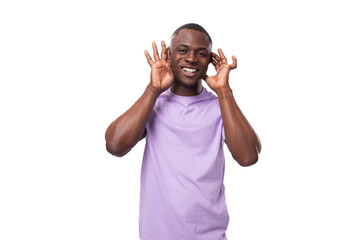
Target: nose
{"x":191,"y":57}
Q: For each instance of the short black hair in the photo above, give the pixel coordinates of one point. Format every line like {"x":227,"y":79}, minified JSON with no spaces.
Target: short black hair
{"x":193,"y":26}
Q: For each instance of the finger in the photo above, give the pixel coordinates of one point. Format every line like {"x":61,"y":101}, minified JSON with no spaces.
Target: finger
{"x":163,"y":50}
{"x":234,"y":64}
{"x":214,"y":55}
{"x":215,"y":63}
{"x":155,"y":50}
{"x":148,"y":58}
{"x":222,"y":56}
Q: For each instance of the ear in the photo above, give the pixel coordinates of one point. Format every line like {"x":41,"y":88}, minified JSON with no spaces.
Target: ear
{"x":168,"y":54}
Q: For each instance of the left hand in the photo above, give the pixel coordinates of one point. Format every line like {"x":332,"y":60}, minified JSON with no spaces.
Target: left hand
{"x":221,"y":79}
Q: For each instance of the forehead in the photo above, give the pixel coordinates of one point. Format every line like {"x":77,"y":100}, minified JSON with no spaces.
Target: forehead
{"x":192,"y":38}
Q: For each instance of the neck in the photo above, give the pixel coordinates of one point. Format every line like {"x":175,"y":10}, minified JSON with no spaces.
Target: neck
{"x":181,"y":90}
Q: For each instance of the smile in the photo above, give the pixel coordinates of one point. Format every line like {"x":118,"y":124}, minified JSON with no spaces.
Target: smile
{"x":190,"y":70}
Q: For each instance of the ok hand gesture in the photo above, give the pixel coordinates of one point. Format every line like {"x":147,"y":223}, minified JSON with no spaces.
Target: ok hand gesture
{"x":162,"y":75}
{"x":221,"y":79}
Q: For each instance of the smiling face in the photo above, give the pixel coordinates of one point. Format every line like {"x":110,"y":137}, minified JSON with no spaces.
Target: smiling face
{"x":190,"y":57}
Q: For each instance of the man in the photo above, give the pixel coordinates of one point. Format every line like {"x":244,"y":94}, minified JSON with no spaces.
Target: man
{"x":182,"y":191}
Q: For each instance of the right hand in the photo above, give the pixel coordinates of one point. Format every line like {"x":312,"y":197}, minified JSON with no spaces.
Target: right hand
{"x":162,"y":75}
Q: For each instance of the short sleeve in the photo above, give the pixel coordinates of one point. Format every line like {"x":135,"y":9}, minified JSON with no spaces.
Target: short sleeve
{"x":222,"y":132}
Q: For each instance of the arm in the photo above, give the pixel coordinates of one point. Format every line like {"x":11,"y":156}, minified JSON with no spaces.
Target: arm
{"x":241,"y":139}
{"x":124,"y":133}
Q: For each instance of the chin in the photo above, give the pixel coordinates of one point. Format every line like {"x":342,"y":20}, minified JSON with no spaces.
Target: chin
{"x":188,"y":83}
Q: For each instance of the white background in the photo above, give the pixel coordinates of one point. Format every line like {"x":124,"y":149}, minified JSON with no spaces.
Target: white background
{"x":69,"y":68}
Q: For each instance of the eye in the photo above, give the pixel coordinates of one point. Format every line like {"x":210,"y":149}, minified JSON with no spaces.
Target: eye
{"x":203,"y":54}
{"x":181,"y":51}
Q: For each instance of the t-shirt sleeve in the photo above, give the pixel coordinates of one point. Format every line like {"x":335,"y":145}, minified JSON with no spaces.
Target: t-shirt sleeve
{"x":222,"y":132}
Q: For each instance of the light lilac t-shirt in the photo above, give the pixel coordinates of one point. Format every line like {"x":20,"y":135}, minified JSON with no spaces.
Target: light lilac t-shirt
{"x":182,"y":191}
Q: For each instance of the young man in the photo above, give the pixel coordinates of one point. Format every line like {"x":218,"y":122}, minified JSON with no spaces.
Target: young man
{"x":182,"y":191}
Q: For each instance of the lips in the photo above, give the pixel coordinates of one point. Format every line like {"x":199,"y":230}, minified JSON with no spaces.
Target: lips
{"x":190,"y":71}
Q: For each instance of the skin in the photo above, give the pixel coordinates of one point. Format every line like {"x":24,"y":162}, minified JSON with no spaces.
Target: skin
{"x":189,"y":49}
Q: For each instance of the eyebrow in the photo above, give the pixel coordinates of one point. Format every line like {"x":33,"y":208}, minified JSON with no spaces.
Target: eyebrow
{"x":187,"y":46}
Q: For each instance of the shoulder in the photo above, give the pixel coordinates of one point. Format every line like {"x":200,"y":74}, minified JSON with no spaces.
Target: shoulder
{"x":211,"y":98}
{"x":162,"y":100}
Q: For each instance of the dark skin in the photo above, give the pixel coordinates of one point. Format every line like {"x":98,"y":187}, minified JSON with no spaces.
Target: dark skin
{"x":182,"y":68}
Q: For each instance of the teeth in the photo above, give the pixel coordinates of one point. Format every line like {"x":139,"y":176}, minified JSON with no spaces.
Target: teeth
{"x":189,"y":70}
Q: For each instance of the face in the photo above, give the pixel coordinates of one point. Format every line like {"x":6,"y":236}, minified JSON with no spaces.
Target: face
{"x":190,"y":56}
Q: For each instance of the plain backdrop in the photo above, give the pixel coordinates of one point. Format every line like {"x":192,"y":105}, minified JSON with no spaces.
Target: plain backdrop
{"x":69,"y":68}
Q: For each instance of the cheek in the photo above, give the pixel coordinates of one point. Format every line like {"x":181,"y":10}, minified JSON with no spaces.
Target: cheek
{"x":206,"y":65}
{"x":175,"y":61}
{"x":205,"y":71}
